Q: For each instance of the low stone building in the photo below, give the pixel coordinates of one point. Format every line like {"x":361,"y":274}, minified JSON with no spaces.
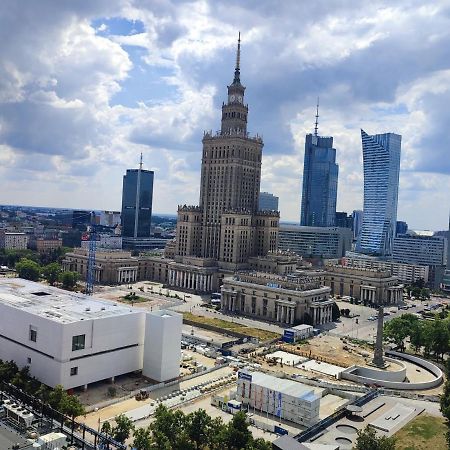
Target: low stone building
{"x":286,"y":300}
{"x":370,"y":286}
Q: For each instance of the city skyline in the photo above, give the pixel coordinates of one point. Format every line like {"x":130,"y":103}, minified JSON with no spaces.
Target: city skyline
{"x":101,"y":83}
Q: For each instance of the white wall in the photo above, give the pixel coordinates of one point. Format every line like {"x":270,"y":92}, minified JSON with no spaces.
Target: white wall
{"x":162,"y":345}
{"x":52,"y":365}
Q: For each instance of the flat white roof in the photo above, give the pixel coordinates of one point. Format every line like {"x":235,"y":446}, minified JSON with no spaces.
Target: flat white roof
{"x":288,"y":387}
{"x":57,"y":304}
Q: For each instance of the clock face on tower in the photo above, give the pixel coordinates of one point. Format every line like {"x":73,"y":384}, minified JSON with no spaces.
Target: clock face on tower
{"x":232,"y":98}
{"x":240,"y":98}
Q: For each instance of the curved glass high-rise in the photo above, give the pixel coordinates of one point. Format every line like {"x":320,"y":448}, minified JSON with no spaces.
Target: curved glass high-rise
{"x":381,"y":158}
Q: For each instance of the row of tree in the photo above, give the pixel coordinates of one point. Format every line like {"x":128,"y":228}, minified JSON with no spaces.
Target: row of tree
{"x":174,"y":430}
{"x":11,"y":257}
{"x":57,"y":398}
{"x":432,"y":336}
{"x":445,"y":400}
{"x":31,"y":270}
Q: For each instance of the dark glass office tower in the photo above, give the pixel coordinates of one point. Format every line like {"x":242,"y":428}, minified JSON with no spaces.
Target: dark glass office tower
{"x":137,"y":190}
{"x":320,"y":179}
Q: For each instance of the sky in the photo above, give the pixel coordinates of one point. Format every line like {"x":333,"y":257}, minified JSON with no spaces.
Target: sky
{"x":86,"y":86}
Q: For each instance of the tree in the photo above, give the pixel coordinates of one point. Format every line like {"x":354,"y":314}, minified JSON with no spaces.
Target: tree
{"x":106,"y":428}
{"x":28,"y":269}
{"x":69,"y":279}
{"x":124,"y":426}
{"x":142,"y":439}
{"x":52,"y":272}
{"x":71,"y":406}
{"x":335,"y":313}
{"x":440,"y":338}
{"x":197,"y":427}
{"x":368,"y":440}
{"x":238,"y":435}
{"x":399,"y":328}
{"x":416,"y":337}
{"x":445,"y":399}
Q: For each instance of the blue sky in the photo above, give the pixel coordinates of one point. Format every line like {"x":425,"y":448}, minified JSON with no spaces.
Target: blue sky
{"x":86,"y":86}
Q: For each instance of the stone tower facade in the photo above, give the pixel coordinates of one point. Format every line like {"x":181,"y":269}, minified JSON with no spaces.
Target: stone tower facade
{"x":226,"y":226}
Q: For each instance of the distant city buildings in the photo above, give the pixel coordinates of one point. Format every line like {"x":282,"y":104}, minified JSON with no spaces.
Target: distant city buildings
{"x":13,"y":240}
{"x":267,"y":202}
{"x":320,"y":180}
{"x":315,"y":242}
{"x":381,"y":158}
{"x":137,"y":199}
{"x":423,"y":250}
{"x":401,"y":227}
{"x":45,"y":245}
{"x":343,"y":220}
{"x":357,"y":217}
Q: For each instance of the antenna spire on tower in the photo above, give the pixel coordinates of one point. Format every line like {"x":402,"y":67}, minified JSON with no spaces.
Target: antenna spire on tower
{"x":238,"y":61}
{"x":140,"y":162}
{"x":316,"y":127}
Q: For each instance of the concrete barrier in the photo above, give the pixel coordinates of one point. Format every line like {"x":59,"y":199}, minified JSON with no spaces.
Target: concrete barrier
{"x":353,"y":374}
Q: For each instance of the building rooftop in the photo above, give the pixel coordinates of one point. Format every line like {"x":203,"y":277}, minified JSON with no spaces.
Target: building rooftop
{"x":288,"y":387}
{"x":57,"y":304}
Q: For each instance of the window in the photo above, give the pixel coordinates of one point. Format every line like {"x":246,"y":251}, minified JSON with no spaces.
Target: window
{"x":28,"y":360}
{"x":78,"y":342}
{"x":73,"y":371}
{"x":33,"y":334}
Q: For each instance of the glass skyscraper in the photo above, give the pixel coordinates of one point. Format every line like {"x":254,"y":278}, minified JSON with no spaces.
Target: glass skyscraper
{"x":136,"y":222}
{"x":320,"y":179}
{"x":381,"y":158}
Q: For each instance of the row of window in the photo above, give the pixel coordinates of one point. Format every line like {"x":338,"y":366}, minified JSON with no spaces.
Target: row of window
{"x":78,"y":342}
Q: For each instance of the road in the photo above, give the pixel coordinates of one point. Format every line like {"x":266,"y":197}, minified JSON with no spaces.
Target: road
{"x":366,"y":329}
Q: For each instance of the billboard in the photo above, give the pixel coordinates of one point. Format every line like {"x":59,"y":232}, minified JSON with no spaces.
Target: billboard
{"x":245,"y":376}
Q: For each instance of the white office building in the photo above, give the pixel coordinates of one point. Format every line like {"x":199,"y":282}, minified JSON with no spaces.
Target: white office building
{"x":279,"y":397}
{"x":69,"y":338}
{"x":162,"y":356}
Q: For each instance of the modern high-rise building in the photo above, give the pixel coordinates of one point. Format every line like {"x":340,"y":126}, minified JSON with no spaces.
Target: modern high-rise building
{"x":401,"y":227}
{"x":268,"y":202}
{"x":137,"y":198}
{"x":320,"y":180}
{"x":381,"y":158}
{"x":357,"y":223}
{"x":343,"y":220}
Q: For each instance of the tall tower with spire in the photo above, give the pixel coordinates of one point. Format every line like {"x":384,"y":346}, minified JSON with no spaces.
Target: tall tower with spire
{"x":320,"y":179}
{"x":227,"y":223}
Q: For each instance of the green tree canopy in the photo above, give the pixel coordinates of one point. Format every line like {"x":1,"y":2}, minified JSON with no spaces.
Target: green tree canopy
{"x":28,"y":269}
{"x":69,"y":279}
{"x":368,"y":440}
{"x":52,"y":272}
{"x":124,"y":426}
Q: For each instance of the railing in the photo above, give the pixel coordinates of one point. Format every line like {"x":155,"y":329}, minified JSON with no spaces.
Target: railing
{"x":337,"y":415}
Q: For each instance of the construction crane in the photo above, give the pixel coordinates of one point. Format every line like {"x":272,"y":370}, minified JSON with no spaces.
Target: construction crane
{"x":90,"y":236}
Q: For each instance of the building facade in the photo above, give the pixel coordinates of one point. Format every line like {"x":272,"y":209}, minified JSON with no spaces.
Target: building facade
{"x":381,"y":159}
{"x":401,"y":227}
{"x":137,"y":199}
{"x":13,"y":240}
{"x":357,"y":217}
{"x":369,"y":286}
{"x":268,"y":202}
{"x":43,"y":245}
{"x":315,"y":242}
{"x":344,"y":220}
{"x":226,"y":229}
{"x":320,"y":179}
{"x":283,"y":398}
{"x":405,"y":273}
{"x":285,"y":300}
{"x":68,"y":338}
{"x":428,"y":251}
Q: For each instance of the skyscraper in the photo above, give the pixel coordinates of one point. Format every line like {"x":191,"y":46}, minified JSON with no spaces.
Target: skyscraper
{"x":267,"y":202}
{"x":320,"y":179}
{"x":381,"y":158}
{"x":357,"y":223}
{"x":226,"y":228}
{"x":137,"y":198}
